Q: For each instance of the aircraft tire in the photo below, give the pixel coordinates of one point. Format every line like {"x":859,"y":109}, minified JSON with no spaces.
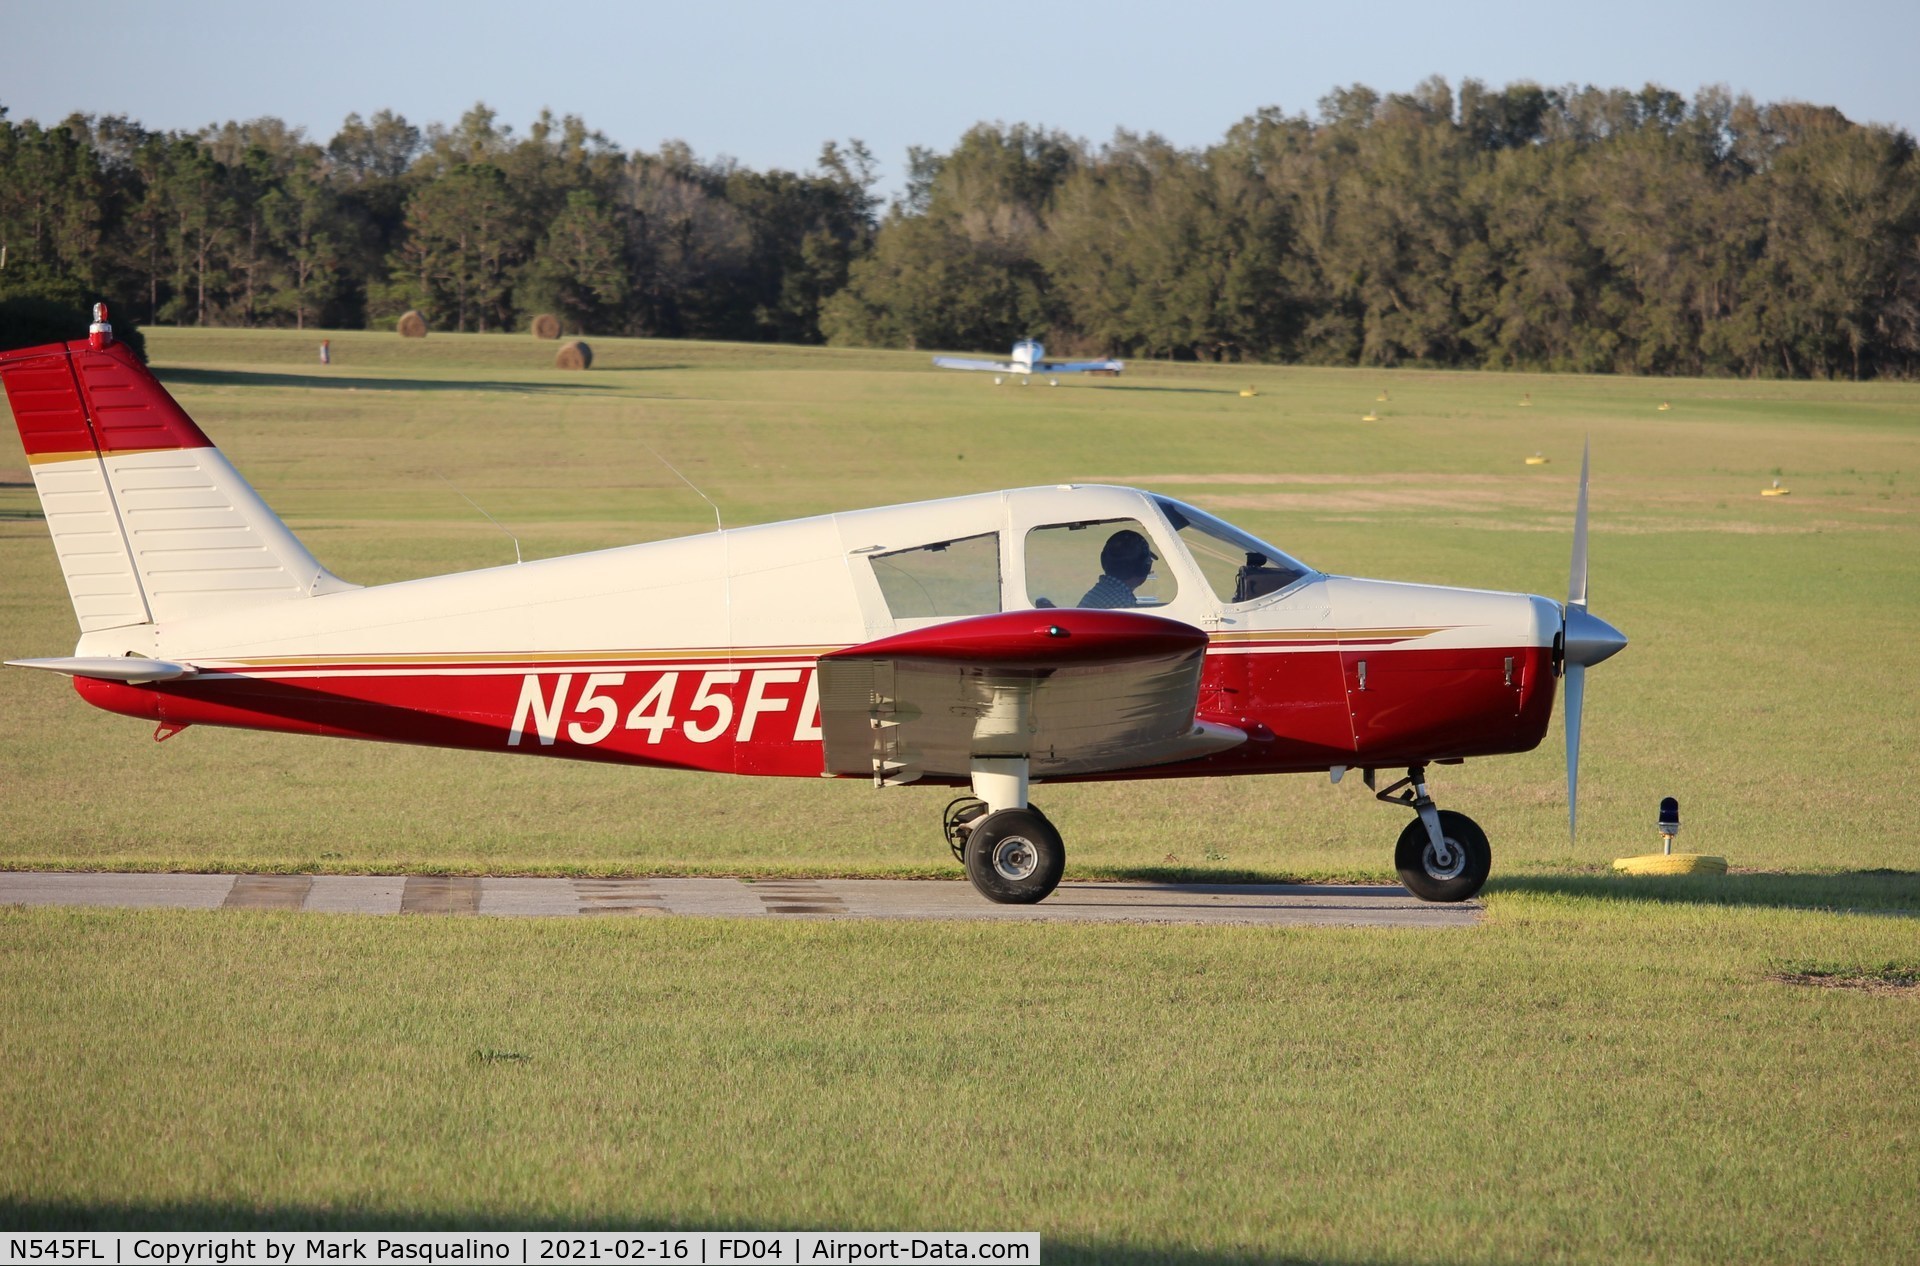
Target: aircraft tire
{"x":1015,"y":857}
{"x":1413,"y":857}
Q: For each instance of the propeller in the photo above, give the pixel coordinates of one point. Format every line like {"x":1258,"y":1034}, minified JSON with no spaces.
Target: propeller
{"x":1585,"y":640}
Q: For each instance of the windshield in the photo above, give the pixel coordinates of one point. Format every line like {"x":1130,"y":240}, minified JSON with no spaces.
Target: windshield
{"x":1239,"y":566}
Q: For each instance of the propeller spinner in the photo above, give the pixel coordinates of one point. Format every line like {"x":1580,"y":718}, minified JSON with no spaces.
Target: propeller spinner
{"x":1585,"y":640}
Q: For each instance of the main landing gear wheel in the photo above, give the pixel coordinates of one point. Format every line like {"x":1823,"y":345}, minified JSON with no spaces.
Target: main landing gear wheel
{"x":1014,"y":856}
{"x":1455,"y":877}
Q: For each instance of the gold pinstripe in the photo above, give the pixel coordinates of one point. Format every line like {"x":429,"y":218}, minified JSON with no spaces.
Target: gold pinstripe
{"x":87,"y":454}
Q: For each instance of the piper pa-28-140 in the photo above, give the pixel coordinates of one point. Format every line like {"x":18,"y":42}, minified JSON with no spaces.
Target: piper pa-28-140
{"x":978,"y":642}
{"x":1029,"y":358}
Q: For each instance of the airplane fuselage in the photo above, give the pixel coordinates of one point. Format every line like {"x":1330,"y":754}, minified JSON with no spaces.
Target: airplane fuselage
{"x":703,"y":653}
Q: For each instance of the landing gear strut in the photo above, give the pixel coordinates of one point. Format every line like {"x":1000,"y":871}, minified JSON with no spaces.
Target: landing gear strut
{"x":1441,"y":855}
{"x":1013,"y":855}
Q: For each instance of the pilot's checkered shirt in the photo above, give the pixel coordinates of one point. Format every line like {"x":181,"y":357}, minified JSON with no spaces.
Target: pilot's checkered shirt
{"x":1108,"y":592}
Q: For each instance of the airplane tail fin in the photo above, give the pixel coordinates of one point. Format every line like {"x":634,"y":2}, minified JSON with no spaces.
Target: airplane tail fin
{"x":151,"y":523}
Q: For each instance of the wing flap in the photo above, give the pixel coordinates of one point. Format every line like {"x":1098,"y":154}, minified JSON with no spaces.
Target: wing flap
{"x":1076,"y":692}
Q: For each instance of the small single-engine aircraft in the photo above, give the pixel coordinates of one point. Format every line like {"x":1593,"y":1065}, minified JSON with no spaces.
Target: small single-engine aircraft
{"x":980,"y":642}
{"x":1028,"y":360}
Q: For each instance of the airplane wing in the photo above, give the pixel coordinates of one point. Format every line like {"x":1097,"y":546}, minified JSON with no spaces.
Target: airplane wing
{"x":1074,"y":691}
{"x":962,"y":362}
{"x":1079,"y":367}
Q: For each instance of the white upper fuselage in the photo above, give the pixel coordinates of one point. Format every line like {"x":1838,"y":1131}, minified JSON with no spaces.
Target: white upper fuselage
{"x":807,"y":584}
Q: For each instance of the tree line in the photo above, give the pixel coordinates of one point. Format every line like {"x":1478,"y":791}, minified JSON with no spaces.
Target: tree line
{"x":253,"y":224}
{"x":1581,"y":229}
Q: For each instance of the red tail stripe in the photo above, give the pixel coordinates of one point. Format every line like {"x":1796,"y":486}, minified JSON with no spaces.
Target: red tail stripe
{"x":75,"y":399}
{"x":130,"y":409}
{"x":46,"y":403}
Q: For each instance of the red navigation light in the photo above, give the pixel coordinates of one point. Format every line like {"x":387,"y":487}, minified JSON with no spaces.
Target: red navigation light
{"x":99,"y":334}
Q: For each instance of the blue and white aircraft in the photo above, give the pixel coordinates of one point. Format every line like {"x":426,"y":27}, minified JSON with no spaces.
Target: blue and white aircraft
{"x":1028,"y":360}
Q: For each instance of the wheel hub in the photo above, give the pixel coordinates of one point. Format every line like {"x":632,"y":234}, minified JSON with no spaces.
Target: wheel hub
{"x":1015,"y":858}
{"x":1449,"y":868}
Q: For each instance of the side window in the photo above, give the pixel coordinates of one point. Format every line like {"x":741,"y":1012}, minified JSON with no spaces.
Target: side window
{"x":946,"y":578}
{"x":1099,"y":563}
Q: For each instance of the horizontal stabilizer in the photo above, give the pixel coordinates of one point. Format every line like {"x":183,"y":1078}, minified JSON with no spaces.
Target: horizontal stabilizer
{"x":132,"y":669}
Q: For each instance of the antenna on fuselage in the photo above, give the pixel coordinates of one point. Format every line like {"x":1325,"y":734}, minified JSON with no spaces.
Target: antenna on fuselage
{"x":483,"y":511}
{"x":718,"y":526}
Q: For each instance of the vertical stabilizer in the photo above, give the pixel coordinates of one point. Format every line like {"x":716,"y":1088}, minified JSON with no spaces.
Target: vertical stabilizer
{"x":150,"y":521}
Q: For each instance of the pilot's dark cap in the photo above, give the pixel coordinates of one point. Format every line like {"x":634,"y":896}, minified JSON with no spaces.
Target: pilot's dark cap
{"x":1126,"y":551}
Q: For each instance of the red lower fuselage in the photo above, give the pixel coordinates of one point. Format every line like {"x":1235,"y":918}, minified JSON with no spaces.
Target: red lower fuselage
{"x":1303,"y":708}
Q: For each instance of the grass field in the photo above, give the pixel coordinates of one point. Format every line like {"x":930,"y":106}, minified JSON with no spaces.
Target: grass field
{"x":1770,"y":684}
{"x":1607,"y":1069}
{"x":1573,"y":1081}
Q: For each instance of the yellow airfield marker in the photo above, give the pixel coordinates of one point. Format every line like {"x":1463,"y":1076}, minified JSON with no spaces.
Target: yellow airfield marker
{"x":1383,"y":397}
{"x":1664,"y":406}
{"x":1776,"y":491}
{"x":1537,"y":460}
{"x":1671,"y":864}
{"x":1248,"y":394}
{"x":1526,"y":400}
{"x":1369,"y":416}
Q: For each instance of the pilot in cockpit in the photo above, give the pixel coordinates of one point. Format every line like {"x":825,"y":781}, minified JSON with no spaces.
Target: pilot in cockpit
{"x":1125,"y":563}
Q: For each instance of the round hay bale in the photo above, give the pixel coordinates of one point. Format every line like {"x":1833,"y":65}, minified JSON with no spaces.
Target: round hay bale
{"x":546,"y":325}
{"x":412,"y":325}
{"x":574,"y":354}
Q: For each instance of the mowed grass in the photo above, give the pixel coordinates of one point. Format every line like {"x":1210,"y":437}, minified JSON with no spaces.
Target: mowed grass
{"x":1771,"y":683}
{"x":1572,"y":1081}
{"x":1605,"y":1069}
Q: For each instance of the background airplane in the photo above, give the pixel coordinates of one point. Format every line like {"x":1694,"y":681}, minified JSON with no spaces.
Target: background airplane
{"x":1029,"y":359}
{"x":979,"y":642}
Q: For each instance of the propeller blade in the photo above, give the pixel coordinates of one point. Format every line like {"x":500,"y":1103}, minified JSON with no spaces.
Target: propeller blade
{"x":1577,"y":574}
{"x":1576,"y":688}
{"x":1585,"y":640}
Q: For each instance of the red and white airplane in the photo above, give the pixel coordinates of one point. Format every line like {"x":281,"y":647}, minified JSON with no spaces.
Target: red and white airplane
{"x":1029,"y":358}
{"x":980,"y":642}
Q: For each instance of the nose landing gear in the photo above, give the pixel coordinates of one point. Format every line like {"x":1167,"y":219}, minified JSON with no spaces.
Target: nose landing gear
{"x":1441,"y":855}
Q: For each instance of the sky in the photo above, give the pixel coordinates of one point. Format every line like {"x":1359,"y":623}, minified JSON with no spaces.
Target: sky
{"x":768,"y":83}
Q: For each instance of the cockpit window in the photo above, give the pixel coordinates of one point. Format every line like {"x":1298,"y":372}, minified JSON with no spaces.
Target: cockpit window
{"x":1238,"y":566}
{"x":1096,"y":563}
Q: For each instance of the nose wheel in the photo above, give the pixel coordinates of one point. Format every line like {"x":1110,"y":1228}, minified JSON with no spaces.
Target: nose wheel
{"x":1452,"y":871}
{"x":1441,"y":855}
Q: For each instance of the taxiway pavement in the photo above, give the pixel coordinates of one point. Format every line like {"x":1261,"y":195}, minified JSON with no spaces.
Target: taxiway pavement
{"x":1275,"y":904}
